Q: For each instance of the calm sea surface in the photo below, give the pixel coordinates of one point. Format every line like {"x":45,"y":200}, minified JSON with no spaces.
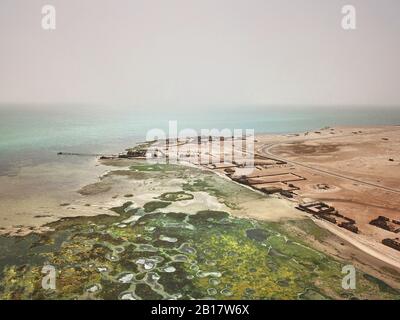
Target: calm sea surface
{"x":29,"y":136}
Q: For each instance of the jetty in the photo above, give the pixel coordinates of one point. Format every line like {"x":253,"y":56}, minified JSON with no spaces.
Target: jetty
{"x":81,"y":154}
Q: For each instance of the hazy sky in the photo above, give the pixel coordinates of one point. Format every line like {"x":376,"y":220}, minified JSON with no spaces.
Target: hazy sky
{"x":157,"y":53}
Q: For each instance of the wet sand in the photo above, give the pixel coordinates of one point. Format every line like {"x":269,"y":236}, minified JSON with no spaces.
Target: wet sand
{"x":36,"y":195}
{"x":46,"y":193}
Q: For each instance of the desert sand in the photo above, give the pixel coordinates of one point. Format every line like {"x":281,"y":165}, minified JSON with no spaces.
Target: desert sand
{"x":355,"y":170}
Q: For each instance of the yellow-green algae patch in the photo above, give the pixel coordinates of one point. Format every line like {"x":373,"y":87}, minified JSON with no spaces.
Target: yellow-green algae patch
{"x":219,"y":257}
{"x":146,"y":254}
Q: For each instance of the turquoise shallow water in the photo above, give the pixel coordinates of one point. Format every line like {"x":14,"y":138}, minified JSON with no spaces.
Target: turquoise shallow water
{"x":29,"y":136}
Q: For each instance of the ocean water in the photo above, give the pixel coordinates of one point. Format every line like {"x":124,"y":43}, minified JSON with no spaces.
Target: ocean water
{"x":31,"y":136}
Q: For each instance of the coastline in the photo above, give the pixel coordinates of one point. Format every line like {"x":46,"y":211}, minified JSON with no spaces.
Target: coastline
{"x":114,"y":187}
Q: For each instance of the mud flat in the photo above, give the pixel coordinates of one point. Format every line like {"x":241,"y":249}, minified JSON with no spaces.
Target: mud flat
{"x":178,"y":232}
{"x":42,"y":193}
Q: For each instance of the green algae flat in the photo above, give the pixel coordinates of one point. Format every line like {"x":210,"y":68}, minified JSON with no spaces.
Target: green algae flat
{"x":217,"y":257}
{"x":147,"y":254}
{"x":154,"y":205}
{"x":155,"y":167}
{"x":176,"y":196}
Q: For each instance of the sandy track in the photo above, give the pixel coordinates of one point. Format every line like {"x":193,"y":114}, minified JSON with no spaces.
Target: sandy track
{"x":370,"y":247}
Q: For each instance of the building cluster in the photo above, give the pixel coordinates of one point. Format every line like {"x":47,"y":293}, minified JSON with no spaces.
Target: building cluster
{"x":386,"y":224}
{"x":393,"y":243}
{"x":323,"y":211}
